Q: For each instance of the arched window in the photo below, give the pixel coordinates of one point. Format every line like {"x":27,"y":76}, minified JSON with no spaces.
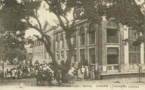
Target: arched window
{"x":62,"y":40}
{"x":62,"y":55}
{"x":56,"y":37}
{"x":82,"y":36}
{"x":74,"y":59}
{"x":73,"y":38}
{"x":91,"y":32}
{"x":57,"y":41}
{"x":57,"y":55}
{"x":112,"y":32}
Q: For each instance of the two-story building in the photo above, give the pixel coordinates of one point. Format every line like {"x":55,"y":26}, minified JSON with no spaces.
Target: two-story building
{"x":107,"y":46}
{"x":39,"y":51}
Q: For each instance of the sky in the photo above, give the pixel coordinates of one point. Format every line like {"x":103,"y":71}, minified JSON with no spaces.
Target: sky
{"x":49,"y":17}
{"x":44,"y":16}
{"x":140,"y":1}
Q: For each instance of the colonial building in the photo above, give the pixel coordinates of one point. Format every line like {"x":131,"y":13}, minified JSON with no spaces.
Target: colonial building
{"x":29,"y":54}
{"x":39,"y":51}
{"x":107,"y":46}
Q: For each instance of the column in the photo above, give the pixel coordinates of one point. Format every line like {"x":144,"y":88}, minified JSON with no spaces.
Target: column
{"x":142,"y":52}
{"x":126,"y":46}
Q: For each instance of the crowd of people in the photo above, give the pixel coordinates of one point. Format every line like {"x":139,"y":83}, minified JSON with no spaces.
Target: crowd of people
{"x":84,"y":72}
{"x":20,"y":71}
{"x":45,"y":72}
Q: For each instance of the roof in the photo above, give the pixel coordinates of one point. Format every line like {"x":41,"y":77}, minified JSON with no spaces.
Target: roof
{"x":77,"y":22}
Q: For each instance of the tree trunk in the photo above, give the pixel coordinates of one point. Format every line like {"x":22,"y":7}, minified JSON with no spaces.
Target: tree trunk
{"x":69,"y":58}
{"x":70,"y":53}
{"x":64,"y":68}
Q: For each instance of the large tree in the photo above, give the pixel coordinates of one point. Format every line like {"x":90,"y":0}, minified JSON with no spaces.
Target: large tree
{"x":60,"y":8}
{"x":126,"y":12}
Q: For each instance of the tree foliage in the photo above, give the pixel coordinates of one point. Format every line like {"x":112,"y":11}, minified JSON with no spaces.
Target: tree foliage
{"x":11,"y":15}
{"x":17,"y":16}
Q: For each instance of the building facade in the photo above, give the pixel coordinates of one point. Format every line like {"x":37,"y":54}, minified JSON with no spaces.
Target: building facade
{"x":29,"y":54}
{"x":39,"y":51}
{"x":107,"y":46}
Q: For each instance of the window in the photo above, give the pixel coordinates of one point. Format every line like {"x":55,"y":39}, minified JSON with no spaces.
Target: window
{"x":62,"y":55}
{"x":112,"y":36}
{"x":73,"y":41}
{"x":42,"y":54}
{"x":56,"y":41}
{"x":65,"y":42}
{"x":82,"y":54}
{"x":112,"y":55}
{"x":67,"y":51}
{"x":92,"y":30}
{"x":112,"y":32}
{"x":82,"y":36}
{"x":92,"y":55}
{"x":57,"y":55}
{"x":45,"y":53}
{"x":57,"y":45}
{"x":61,"y":41}
{"x":134,"y":51}
{"x":74,"y":59}
{"x":73,"y":38}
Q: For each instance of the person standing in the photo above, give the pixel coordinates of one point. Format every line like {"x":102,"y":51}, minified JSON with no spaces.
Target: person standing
{"x":92,"y":75}
{"x":13,"y":73}
{"x":86,"y":74}
{"x":58,"y":76}
{"x":80,"y":74}
{"x":83,"y":71}
{"x":75,"y":73}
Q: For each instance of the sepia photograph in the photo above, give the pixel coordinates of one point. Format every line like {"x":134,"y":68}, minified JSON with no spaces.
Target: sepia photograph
{"x":72,"y":44}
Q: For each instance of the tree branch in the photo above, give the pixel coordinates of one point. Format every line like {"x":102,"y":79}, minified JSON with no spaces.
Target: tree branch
{"x":59,"y":17}
{"x":38,"y":21}
{"x":45,"y":39}
{"x":74,"y":19}
{"x":47,"y":2}
{"x":47,"y":46}
{"x":61,"y":23}
{"x":34,"y":27}
{"x":138,"y":9}
{"x":38,"y":38}
{"x":67,"y":21}
{"x":74,"y":13}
